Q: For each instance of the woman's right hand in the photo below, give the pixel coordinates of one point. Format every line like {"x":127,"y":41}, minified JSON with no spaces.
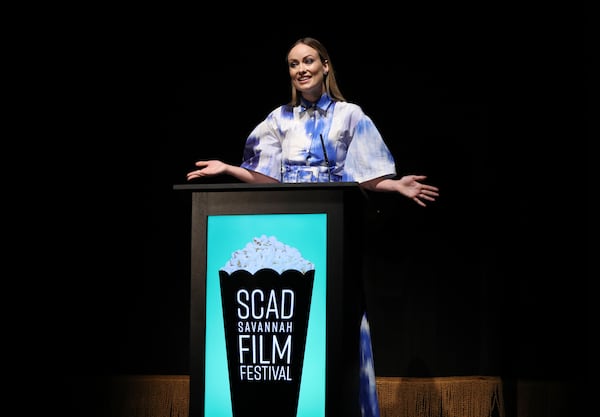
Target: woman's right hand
{"x":208,"y":168}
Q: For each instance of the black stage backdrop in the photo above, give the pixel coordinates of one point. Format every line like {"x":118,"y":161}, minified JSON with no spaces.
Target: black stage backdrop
{"x":490,"y":280}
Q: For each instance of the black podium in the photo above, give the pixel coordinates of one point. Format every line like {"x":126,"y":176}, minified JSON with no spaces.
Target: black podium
{"x":276,"y":299}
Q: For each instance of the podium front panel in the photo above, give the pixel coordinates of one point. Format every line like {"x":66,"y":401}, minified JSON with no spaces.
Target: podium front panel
{"x":264,"y":342}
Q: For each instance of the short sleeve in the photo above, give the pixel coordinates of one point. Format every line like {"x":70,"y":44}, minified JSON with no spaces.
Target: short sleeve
{"x":368,"y":157}
{"x":262,"y":151}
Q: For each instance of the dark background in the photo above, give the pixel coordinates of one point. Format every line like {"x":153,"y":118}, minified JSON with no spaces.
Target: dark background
{"x":491,"y":104}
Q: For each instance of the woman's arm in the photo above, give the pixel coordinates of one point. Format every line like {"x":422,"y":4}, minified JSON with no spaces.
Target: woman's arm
{"x":409,"y":186}
{"x":214,"y":167}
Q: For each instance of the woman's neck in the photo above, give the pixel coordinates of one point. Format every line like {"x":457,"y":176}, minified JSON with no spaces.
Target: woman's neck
{"x":314,"y":95}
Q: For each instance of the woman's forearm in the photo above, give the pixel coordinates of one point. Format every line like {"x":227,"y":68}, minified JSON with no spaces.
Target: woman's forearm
{"x":251,"y":177}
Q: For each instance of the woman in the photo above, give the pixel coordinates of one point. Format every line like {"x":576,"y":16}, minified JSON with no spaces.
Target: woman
{"x":317,"y":137}
{"x":320,"y":137}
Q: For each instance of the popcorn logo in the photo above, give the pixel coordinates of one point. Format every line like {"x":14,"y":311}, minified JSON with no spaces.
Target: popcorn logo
{"x":267,"y":252}
{"x":266,"y":290}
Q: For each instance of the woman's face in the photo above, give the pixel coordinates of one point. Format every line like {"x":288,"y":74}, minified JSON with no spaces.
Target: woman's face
{"x":307,"y":71}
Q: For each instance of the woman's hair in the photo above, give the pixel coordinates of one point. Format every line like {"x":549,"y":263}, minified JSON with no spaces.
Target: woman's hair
{"x":331,"y":86}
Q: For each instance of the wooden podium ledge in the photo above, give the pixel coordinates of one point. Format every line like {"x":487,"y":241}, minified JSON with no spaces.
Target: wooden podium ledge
{"x":464,"y":396}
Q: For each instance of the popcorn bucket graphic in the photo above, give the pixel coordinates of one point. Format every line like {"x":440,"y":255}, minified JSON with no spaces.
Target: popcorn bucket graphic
{"x":265,"y":316}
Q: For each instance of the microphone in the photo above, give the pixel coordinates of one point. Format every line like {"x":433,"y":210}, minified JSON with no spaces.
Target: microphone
{"x":325,"y":156}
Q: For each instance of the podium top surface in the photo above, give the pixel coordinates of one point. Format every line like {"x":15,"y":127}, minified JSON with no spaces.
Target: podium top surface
{"x":266,"y":187}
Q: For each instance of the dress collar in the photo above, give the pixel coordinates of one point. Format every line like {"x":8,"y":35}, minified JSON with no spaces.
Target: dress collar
{"x":322,"y":105}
